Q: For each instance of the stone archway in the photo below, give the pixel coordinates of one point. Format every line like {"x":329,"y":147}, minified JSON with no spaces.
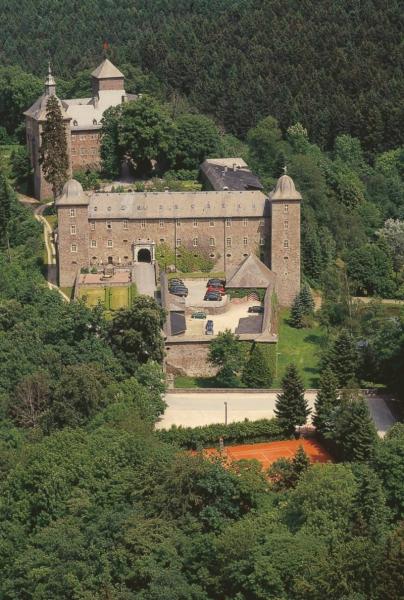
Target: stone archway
{"x":144,"y":251}
{"x":144,"y":255}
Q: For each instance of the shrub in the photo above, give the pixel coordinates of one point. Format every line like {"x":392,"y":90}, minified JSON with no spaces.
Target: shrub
{"x":196,"y":438}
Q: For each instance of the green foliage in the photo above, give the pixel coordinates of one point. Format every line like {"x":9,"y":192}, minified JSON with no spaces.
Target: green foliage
{"x":263,"y":142}
{"x":90,"y":180}
{"x":326,"y":403}
{"x":146,"y":133}
{"x":297,"y":313}
{"x":291,"y":406}
{"x":285,"y":473}
{"x":370,"y":269}
{"x":257,"y":372}
{"x":6,"y":197}
{"x":342,"y":358}
{"x":196,"y":138}
{"x":354,"y":431}
{"x":226,"y":352}
{"x":135,"y":333}
{"x":389,"y":464}
{"x":245,"y":432}
{"x":111,"y":156}
{"x":191,"y":259}
{"x":21,"y":166}
{"x":53,"y":156}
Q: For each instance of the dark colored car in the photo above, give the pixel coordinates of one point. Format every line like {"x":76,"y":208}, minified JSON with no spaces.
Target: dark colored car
{"x":256,"y":309}
{"x":175,"y":280}
{"x":213,"y":296}
{"x":179,"y":290}
{"x":209,"y":327}
{"x":199,"y":315}
{"x":217,"y":282}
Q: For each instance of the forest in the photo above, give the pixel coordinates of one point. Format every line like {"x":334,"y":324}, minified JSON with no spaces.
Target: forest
{"x":95,"y":504}
{"x":336,"y":67}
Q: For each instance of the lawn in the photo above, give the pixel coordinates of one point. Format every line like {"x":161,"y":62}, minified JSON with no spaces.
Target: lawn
{"x":300,"y":346}
{"x":112,"y":298}
{"x":198,"y":275}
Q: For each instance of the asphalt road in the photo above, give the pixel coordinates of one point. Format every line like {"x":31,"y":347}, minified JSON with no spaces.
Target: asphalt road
{"x":191,"y":409}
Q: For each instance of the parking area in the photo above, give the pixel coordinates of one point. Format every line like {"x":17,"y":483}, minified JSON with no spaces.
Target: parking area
{"x":228,"y":319}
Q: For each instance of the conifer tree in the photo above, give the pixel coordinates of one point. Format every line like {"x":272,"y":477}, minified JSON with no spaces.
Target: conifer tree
{"x":256,"y":373}
{"x":355,"y":434}
{"x":300,"y":463}
{"x":291,"y":406}
{"x":53,"y":156}
{"x":326,"y":403}
{"x":343,"y":359}
{"x":306,"y":300}
{"x":5,"y":209}
{"x":297,"y":313}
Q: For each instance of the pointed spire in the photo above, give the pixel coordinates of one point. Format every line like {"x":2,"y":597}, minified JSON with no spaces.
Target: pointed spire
{"x":50,"y":83}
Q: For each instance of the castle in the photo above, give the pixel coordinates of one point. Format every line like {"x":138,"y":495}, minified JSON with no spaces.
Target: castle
{"x":231,"y":221}
{"x":82,"y":119}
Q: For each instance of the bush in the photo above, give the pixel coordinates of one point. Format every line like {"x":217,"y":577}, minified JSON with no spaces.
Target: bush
{"x":196,"y":438}
{"x":90,"y":180}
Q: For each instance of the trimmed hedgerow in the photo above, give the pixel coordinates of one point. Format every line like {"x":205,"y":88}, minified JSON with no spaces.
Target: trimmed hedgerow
{"x":245,"y":432}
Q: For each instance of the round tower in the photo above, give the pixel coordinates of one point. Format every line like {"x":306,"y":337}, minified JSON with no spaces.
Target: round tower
{"x":285,"y":203}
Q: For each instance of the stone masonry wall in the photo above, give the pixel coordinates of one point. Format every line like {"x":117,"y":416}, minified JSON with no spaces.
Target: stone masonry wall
{"x":85,"y":150}
{"x":285,"y":249}
{"x":72,"y":242}
{"x":189,"y":359}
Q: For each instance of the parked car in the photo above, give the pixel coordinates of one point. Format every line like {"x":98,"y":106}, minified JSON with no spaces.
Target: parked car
{"x":199,"y":315}
{"x":214,"y":288}
{"x":256,"y":309}
{"x":174,"y":281}
{"x":179,"y":290}
{"x":214,"y":281}
{"x":209,"y":327}
{"x":213,"y":296}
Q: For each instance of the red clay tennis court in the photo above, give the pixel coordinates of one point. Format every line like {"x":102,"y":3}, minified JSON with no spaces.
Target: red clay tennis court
{"x":268,"y":452}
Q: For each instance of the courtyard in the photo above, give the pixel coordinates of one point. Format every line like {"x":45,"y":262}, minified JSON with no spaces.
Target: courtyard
{"x":224,"y":314}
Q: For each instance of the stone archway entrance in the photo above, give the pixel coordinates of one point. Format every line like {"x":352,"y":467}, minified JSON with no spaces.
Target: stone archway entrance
{"x":144,"y":251}
{"x":144,"y":255}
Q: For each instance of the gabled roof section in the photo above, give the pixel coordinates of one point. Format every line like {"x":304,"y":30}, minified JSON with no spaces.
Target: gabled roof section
{"x":106,"y":70}
{"x":252,"y":273}
{"x":38,"y":110}
{"x":229,"y":174}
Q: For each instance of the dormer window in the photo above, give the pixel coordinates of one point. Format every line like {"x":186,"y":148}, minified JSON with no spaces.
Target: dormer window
{"x":75,"y":123}
{"x":95,"y":122}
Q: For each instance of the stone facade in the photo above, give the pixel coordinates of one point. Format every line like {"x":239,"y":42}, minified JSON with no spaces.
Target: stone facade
{"x":96,"y":229}
{"x":82,"y":117}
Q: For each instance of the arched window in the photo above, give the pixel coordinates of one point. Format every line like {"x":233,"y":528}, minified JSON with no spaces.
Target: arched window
{"x":75,"y":123}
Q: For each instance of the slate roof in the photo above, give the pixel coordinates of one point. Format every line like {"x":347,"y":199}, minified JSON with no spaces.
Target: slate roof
{"x":106,"y":70}
{"x":231,"y":174}
{"x":177,"y":205}
{"x":251,"y":273}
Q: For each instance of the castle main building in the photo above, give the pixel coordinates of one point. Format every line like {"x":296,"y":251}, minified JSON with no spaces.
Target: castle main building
{"x":100,"y":228}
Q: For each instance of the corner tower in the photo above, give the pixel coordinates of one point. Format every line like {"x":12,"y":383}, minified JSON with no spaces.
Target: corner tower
{"x":107,"y":77}
{"x":285,"y":203}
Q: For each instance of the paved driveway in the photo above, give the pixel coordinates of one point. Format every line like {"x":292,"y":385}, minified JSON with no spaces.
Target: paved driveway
{"x":145,"y":278}
{"x":191,"y":409}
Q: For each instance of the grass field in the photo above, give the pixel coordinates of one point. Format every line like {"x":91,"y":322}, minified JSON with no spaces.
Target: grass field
{"x":198,"y":275}
{"x":300,"y":346}
{"x":112,"y":298}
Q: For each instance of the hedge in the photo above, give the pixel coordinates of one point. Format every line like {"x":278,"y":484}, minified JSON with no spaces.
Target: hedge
{"x":245,"y":432}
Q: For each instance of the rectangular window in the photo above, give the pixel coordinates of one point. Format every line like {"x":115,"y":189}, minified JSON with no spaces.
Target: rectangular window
{"x":73,"y":248}
{"x":125,"y":224}
{"x":143,"y":224}
{"x":228,"y":242}
{"x":211,"y":241}
{"x":178,"y":222}
{"x":261,"y":224}
{"x":73,"y":151}
{"x":211,"y":223}
{"x":109,"y":243}
{"x":245,"y":222}
{"x":92,"y":225}
{"x":245,"y":241}
{"x":262,"y":241}
{"x":286,"y":208}
{"x":286,"y":224}
{"x":109,"y":225}
{"x":72,"y":229}
{"x":93,"y":243}
{"x":286,"y":244}
{"x":72,"y":212}
{"x":228,"y":222}
{"x":195,"y":242}
{"x":195,"y":222}
{"x":178,"y":241}
{"x":161,"y":223}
